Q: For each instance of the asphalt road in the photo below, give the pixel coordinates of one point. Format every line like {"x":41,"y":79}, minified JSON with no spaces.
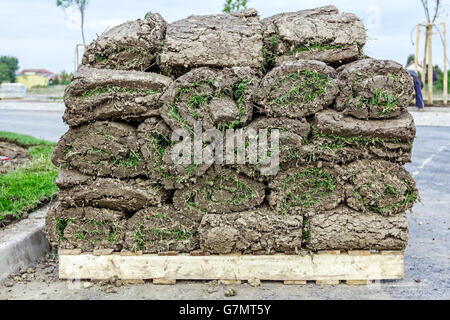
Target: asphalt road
{"x":42,"y":120}
{"x":426,"y":257}
{"x":40,"y":124}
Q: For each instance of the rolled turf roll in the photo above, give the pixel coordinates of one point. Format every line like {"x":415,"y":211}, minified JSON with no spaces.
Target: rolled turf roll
{"x":321,"y":34}
{"x":257,"y":231}
{"x":220,"y":99}
{"x":346,"y":229}
{"x":105,"y":149}
{"x":96,"y":94}
{"x":218,"y":41}
{"x":133,"y":45}
{"x":155,"y":140}
{"x":131,"y":195}
{"x":374,"y":89}
{"x":219,"y":191}
{"x":297,"y":89}
{"x":340,"y":139}
{"x":378,"y":186}
{"x":159,"y":229}
{"x":85,"y":228}
{"x":292,"y":133}
{"x":304,"y":190}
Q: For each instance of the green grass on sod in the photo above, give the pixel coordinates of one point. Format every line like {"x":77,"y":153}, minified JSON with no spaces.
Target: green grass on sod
{"x":23,"y":189}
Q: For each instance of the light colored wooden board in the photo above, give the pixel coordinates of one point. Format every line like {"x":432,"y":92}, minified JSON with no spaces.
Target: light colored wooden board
{"x":360,"y":253}
{"x":102,"y":252}
{"x":274,"y":267}
{"x":329,"y":252}
{"x":327,"y":282}
{"x":165,"y":281}
{"x":134,"y":281}
{"x":294,"y":282}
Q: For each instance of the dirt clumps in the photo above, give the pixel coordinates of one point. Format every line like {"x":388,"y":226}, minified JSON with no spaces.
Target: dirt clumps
{"x":148,"y":167}
{"x":218,"y":41}
{"x":219,"y":99}
{"x":257,"y":231}
{"x":160,"y":229}
{"x":12,"y":156}
{"x":304,"y":190}
{"x":347,"y":229}
{"x":123,"y":195}
{"x":374,"y":89}
{"x":105,"y":149}
{"x":321,"y":34}
{"x":297,"y":89}
{"x":343,"y":139}
{"x":380,"y":187}
{"x":221,"y":192}
{"x":85,"y":228}
{"x":100,"y":94}
{"x":133,"y":45}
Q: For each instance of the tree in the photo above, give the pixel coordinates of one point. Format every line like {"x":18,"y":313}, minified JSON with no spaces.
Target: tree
{"x":65,"y":78}
{"x":411,"y":59}
{"x":12,"y":65}
{"x":234,"y":5}
{"x":81,"y":5}
{"x":4,"y":73}
{"x":431,"y":13}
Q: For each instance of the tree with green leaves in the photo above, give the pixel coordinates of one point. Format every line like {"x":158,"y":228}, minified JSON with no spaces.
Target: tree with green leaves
{"x":411,"y":59}
{"x":81,"y":5}
{"x":65,"y":77}
{"x":4,"y":75}
{"x":234,"y":5}
{"x":8,"y":68}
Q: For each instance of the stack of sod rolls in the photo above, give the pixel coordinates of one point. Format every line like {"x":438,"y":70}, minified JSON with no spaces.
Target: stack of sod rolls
{"x":345,"y":135}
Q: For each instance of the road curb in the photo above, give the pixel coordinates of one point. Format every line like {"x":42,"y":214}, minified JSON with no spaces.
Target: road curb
{"x":23,"y":243}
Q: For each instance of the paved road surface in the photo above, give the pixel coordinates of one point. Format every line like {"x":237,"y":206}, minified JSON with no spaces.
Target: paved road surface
{"x":42,"y":120}
{"x":40,"y":124}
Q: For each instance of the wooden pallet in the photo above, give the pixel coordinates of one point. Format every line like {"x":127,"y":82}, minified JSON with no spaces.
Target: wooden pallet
{"x":326,"y":268}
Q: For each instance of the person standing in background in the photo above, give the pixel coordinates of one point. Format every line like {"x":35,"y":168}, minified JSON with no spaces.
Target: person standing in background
{"x":418,"y":86}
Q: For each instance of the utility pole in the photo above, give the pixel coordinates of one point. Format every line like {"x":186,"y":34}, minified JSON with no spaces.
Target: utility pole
{"x":430,"y":64}
{"x":445,"y":93}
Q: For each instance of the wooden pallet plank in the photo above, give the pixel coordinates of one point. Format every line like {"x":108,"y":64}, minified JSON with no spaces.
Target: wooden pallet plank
{"x":360,"y":253}
{"x":245,"y":267}
{"x":357,"y":282}
{"x":102,"y":252}
{"x":165,"y":281}
{"x":335,"y":252}
{"x":294,"y":282}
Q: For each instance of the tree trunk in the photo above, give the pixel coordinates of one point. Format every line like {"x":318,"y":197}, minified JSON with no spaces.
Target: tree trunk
{"x":82,"y":26}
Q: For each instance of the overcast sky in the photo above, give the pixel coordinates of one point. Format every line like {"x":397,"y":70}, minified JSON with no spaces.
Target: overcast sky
{"x":42,"y":35}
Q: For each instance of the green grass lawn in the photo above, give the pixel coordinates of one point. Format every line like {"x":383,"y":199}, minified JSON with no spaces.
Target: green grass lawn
{"x":25,"y":188}
{"x":24,"y":139}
